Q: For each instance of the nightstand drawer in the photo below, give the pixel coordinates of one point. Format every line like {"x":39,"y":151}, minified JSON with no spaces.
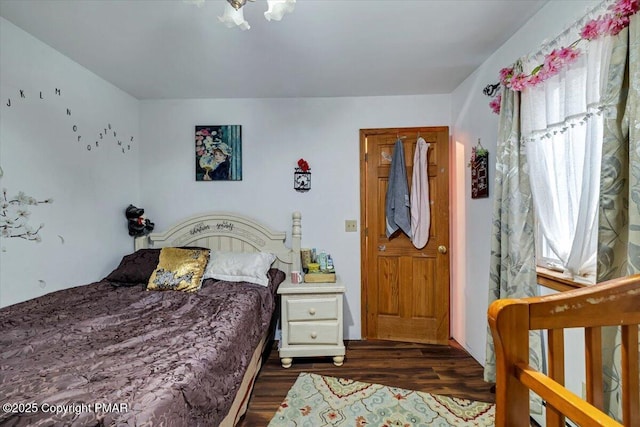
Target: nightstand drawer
{"x":313,"y":333}
{"x":316,"y":308}
{"x":311,"y":321}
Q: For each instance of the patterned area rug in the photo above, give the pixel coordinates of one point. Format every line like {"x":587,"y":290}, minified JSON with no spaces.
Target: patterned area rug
{"x":316,"y":400}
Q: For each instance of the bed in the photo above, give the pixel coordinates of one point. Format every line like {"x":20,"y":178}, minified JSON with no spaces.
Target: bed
{"x":612,"y":303}
{"x":115,"y":353}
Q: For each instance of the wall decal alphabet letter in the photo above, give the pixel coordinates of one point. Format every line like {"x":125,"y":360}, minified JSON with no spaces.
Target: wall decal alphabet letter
{"x":106,"y":131}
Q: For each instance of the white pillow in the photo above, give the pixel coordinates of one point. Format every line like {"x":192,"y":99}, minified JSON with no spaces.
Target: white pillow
{"x":240,"y":266}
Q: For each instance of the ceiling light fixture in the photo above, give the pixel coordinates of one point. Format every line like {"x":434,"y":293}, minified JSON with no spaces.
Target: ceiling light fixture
{"x":233,"y":15}
{"x":237,"y":4}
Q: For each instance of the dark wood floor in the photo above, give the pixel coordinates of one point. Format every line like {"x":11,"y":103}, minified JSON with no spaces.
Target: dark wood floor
{"x":448,"y":370}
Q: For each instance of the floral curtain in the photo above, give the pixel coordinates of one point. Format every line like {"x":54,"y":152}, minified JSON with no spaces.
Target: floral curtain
{"x":512,"y":270}
{"x":619,"y":215}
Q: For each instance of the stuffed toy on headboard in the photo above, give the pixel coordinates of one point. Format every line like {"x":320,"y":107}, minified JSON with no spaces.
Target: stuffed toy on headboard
{"x":138,"y":224}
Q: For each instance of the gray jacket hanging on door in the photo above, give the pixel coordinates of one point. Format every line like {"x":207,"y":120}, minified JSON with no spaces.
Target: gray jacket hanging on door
{"x":397,"y":207}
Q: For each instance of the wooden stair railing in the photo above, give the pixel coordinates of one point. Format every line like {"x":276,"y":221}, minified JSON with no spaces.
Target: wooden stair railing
{"x":612,"y":303}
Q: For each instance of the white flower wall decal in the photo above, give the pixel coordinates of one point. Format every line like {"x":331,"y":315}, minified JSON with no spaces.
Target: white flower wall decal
{"x":14,"y":216}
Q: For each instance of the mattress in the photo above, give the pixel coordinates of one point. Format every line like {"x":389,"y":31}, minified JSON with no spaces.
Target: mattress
{"x":105,"y":355}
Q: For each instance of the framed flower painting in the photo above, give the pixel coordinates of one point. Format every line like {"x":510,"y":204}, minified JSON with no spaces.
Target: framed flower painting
{"x":218,"y":153}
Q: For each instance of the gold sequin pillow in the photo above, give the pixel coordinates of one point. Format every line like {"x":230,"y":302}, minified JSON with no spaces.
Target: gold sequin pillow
{"x":179,"y":270}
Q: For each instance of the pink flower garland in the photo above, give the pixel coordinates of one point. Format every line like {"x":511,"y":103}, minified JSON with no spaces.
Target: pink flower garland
{"x":495,"y":104}
{"x":608,"y":25}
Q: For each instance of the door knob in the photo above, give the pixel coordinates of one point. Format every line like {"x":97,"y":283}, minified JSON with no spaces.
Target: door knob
{"x":442,"y":249}
{"x":382,"y":248}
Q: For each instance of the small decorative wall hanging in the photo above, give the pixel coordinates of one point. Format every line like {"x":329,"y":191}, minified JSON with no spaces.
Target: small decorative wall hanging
{"x":302,"y":176}
{"x":479,"y":165}
{"x":219,"y":153}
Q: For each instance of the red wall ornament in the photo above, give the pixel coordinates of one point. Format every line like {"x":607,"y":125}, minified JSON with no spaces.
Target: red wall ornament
{"x":302,"y":176}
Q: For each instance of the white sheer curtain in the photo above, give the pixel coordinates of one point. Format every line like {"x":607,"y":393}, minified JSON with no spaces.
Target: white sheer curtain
{"x":562,"y":128}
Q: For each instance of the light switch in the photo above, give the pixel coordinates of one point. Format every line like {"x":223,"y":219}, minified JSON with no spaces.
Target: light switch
{"x":350,"y":225}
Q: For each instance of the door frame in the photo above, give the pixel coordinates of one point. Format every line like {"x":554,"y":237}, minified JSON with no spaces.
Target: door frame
{"x":364,"y":273}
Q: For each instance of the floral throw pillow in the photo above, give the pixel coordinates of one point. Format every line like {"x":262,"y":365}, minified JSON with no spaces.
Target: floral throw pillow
{"x":179,"y":270}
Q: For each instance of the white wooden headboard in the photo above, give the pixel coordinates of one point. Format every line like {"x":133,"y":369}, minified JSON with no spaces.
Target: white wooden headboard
{"x":224,"y":231}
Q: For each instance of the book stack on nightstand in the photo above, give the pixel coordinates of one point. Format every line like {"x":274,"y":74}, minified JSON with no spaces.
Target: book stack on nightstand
{"x":312,"y":321}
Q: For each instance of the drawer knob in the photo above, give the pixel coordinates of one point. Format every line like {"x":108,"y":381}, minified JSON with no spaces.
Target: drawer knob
{"x":314,"y":335}
{"x":312,"y":311}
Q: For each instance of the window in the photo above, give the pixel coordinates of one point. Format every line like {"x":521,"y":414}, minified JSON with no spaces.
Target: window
{"x":562,"y":127}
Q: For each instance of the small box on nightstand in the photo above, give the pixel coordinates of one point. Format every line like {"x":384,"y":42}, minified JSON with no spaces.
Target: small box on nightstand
{"x":320,"y":277}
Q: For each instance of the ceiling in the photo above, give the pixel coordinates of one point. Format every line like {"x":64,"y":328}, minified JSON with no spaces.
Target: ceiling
{"x":164,"y":49}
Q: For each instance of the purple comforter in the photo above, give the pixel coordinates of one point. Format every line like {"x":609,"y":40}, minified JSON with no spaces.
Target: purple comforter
{"x":99,"y":355}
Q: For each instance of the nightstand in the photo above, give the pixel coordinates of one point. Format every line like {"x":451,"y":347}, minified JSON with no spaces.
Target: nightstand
{"x":311,"y":321}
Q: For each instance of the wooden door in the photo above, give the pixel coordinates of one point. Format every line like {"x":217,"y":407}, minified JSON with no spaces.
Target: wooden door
{"x":405,"y":291}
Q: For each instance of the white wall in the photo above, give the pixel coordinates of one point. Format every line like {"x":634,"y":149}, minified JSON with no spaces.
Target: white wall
{"x":39,"y":156}
{"x":275,"y":134}
{"x":325,"y":132}
{"x":472,"y":119}
{"x":84,"y":234}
